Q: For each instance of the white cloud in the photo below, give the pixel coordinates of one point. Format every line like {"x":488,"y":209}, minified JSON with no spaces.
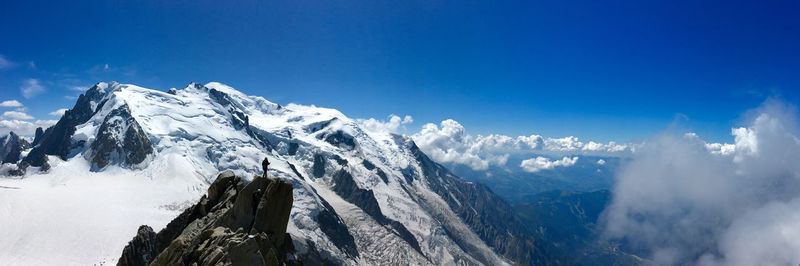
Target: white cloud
{"x":601,"y":162}
{"x":5,"y":63}
{"x":683,"y":203}
{"x":23,"y":128}
{"x":391,"y":126}
{"x":568,"y":144}
{"x":10,"y":103}
{"x":31,"y":88}
{"x":537,"y":164}
{"x":723,"y":149}
{"x":448,"y":142}
{"x":611,"y":147}
{"x":59,"y":112}
{"x":17,"y":115}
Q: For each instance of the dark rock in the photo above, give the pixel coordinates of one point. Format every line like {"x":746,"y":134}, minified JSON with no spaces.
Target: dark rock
{"x":409,"y":174}
{"x":239,"y":120}
{"x":224,"y":181}
{"x":272,"y":214}
{"x":37,"y":137}
{"x":11,"y":147}
{"x":293,"y":146}
{"x":141,"y":250}
{"x":346,"y":187}
{"x":341,"y":140}
{"x":132,"y":149}
{"x":333,"y":226}
{"x":339,"y":160}
{"x":318,"y":169}
{"x":235,"y":224}
{"x":381,"y":174}
{"x":314,"y":127}
{"x":220,"y":97}
{"x":57,"y":140}
{"x":368,"y":165}
{"x":400,"y":230}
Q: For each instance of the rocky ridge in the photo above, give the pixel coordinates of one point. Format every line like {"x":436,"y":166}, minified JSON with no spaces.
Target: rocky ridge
{"x":236,"y":223}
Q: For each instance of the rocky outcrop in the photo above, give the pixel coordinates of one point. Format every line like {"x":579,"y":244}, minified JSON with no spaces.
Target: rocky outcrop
{"x":57,"y":139}
{"x":380,"y":172}
{"x":120,"y":140}
{"x":11,"y":147}
{"x":141,"y":250}
{"x":340,"y":139}
{"x":236,"y":223}
{"x":239,"y":120}
{"x":37,"y":137}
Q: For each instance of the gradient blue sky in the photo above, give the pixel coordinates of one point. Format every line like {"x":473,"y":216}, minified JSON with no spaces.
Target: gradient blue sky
{"x":600,"y":70}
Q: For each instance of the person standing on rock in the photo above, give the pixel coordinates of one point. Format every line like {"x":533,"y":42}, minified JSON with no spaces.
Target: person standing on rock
{"x":265,"y":166}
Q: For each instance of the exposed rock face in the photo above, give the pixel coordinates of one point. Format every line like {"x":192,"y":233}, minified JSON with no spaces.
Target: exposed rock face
{"x":57,"y":140}
{"x":239,"y":120}
{"x":37,"y":137}
{"x":141,"y":250}
{"x":237,"y":223}
{"x":120,"y":140}
{"x":372,"y":167}
{"x":346,"y":188}
{"x":341,"y":140}
{"x":484,"y":212}
{"x":11,"y":146}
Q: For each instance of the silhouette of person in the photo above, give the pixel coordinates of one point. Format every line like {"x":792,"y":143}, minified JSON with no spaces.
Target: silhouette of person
{"x":265,"y":165}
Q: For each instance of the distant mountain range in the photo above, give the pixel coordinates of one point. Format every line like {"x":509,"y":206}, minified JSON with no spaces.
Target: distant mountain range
{"x":589,"y":173}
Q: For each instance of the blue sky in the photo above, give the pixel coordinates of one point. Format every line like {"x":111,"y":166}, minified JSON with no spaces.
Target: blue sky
{"x":610,"y":70}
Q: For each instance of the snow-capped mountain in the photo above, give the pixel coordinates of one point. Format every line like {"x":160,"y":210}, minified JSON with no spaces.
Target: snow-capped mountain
{"x":360,"y":197}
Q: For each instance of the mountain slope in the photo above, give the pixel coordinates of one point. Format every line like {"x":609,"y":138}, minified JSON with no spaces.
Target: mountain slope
{"x":360,"y":197}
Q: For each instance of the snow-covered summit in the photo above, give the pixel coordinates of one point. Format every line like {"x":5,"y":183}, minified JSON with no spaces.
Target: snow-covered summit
{"x":361,"y":197}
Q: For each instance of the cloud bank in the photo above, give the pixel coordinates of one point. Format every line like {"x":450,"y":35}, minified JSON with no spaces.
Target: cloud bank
{"x":683,"y":201}
{"x":24,"y":128}
{"x":449,"y":142}
{"x":16,"y":115}
{"x":539,"y":163}
{"x":20,"y":122}
{"x":389,"y":126}
{"x":10,"y":103}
